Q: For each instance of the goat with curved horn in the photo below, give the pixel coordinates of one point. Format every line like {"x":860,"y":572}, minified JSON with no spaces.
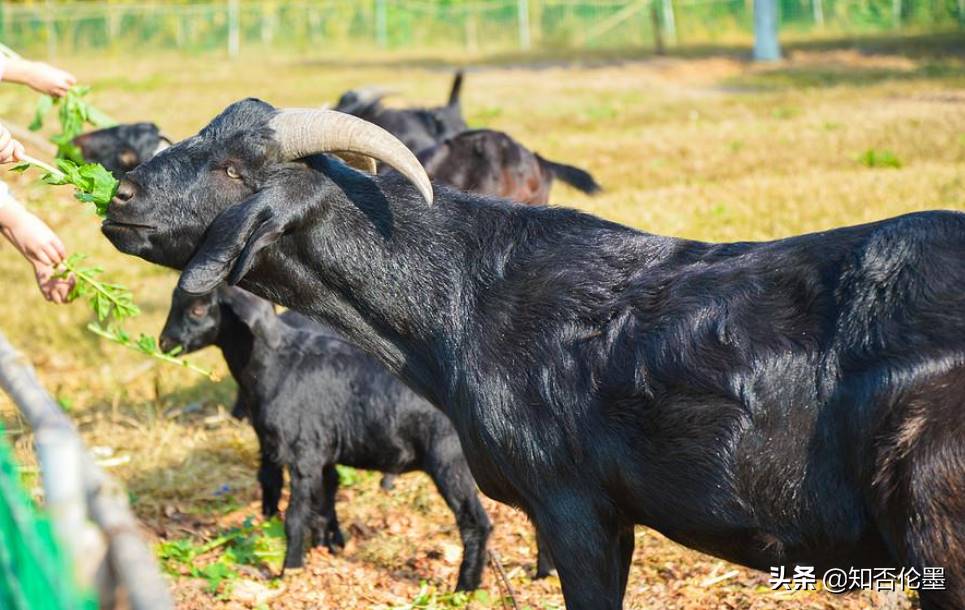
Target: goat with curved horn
{"x":306,"y":131}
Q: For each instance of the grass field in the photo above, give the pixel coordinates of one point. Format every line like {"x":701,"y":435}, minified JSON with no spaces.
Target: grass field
{"x":707,"y":147}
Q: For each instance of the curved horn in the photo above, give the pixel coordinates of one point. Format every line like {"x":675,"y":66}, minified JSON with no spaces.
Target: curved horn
{"x":307,"y":131}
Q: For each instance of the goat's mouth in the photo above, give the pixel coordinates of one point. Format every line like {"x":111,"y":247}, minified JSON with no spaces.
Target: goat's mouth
{"x":117,"y":225}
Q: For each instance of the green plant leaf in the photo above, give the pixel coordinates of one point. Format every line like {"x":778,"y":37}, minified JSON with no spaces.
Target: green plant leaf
{"x":44,"y":104}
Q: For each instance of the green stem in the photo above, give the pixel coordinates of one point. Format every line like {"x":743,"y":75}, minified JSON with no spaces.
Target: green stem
{"x":98,"y":287}
{"x":105,"y":333}
{"x":50,"y":169}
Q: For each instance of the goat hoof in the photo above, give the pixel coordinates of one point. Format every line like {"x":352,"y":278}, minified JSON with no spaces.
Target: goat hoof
{"x":541,"y":574}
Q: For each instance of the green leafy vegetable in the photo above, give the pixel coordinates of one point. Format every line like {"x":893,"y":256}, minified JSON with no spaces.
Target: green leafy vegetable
{"x":112,"y":304}
{"x":92,"y":183}
{"x":74,"y":113}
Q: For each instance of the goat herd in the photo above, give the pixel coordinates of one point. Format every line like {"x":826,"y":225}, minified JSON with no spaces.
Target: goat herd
{"x":799,"y":402}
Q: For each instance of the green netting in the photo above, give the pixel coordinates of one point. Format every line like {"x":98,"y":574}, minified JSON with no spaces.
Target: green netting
{"x":34,"y":572}
{"x":473,"y":25}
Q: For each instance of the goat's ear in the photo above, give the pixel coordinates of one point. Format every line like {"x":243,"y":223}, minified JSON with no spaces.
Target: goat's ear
{"x":233,"y":240}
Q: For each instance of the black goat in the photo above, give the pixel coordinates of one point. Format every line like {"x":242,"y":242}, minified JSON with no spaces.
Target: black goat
{"x":315,"y":401}
{"x":794,"y":402}
{"x":492,"y":163}
{"x":123,"y":147}
{"x":418,"y":128}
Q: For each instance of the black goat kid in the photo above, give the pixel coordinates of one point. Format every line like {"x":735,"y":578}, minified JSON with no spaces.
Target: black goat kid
{"x":794,"y":402}
{"x":315,"y":401}
{"x":123,"y":147}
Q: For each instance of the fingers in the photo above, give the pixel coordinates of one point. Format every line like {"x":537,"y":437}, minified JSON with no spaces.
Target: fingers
{"x":60,"y":82}
{"x":8,"y":146}
{"x":54,"y":289}
{"x":39,"y":255}
{"x":55,"y":251}
{"x":10,"y":149}
{"x":60,"y":291}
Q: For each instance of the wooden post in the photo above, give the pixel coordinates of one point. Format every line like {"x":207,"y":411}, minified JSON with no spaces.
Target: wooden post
{"x":896,"y":13}
{"x":234,"y":28}
{"x":522,"y":11}
{"x":766,"y":45}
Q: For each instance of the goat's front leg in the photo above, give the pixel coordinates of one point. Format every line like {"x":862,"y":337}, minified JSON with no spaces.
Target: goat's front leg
{"x":271,"y":479}
{"x":544,"y":563}
{"x":305,"y":484}
{"x":592,"y":550}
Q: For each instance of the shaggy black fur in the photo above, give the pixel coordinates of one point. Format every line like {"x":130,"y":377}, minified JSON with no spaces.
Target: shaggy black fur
{"x":315,"y":401}
{"x":121,"y":148}
{"x":492,"y":163}
{"x":418,"y":128}
{"x":789,"y":402}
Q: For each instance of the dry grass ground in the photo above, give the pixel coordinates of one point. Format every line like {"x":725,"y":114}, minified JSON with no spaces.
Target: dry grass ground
{"x":708,"y":147}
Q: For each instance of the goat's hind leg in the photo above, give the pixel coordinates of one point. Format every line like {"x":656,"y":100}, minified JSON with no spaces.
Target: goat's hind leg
{"x":921,"y":485}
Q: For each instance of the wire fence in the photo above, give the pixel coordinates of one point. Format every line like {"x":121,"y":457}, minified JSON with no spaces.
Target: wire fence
{"x":476,"y":26}
{"x":33,"y":565}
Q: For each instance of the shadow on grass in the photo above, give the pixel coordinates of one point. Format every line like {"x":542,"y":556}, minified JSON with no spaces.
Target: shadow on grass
{"x":833,"y":74}
{"x":941,"y":48}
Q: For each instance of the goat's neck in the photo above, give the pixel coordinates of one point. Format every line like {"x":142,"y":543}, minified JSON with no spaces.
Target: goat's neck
{"x":238,"y":346}
{"x":390,"y":276}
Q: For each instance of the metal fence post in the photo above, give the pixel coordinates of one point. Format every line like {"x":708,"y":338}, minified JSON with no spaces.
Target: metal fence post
{"x":766,"y":46}
{"x":51,"y":28}
{"x":522,"y":9}
{"x":669,"y":21}
{"x":381,"y":24}
{"x":234,"y":30}
{"x":818,"y":6}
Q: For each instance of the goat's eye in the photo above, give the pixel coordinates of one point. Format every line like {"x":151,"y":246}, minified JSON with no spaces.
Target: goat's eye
{"x":198,"y":311}
{"x":232,"y":172}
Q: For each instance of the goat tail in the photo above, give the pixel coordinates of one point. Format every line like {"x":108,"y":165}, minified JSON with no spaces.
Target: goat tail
{"x":574,"y":176}
{"x":456,"y":89}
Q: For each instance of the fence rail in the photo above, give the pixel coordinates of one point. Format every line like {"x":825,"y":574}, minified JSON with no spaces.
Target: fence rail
{"x":109,"y":555}
{"x":475,"y":26}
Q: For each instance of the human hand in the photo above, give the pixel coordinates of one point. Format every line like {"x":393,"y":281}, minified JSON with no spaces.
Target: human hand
{"x":55,"y":289}
{"x":39,"y":76}
{"x":10,"y":149}
{"x":34,"y":239}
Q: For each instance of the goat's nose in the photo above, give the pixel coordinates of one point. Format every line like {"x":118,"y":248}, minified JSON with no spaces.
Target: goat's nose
{"x":125,"y":192}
